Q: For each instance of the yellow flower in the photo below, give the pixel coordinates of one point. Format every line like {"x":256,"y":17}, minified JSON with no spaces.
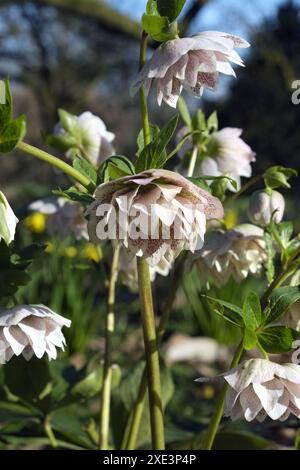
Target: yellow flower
{"x":50,"y":247}
{"x":36,"y":222}
{"x":71,"y":251}
{"x":92,"y":252}
{"x":231,"y":219}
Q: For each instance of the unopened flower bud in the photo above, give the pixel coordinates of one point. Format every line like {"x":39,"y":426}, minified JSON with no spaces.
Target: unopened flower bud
{"x":264,"y":207}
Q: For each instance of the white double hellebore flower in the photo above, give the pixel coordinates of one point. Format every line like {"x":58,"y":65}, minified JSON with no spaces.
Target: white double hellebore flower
{"x":235,"y":253}
{"x":94,"y":138}
{"x":261,"y":388}
{"x":191,"y":63}
{"x":8,"y":220}
{"x":155,"y":214}
{"x":264,"y":207}
{"x":228,"y":155}
{"x":29,"y":330}
{"x":63,"y":216}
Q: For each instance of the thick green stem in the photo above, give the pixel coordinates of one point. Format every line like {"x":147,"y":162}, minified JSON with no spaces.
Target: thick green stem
{"x":143,"y":98}
{"x":152,"y":357}
{"x":107,"y":369}
{"x":193,"y":161}
{"x":216,"y":419}
{"x":50,"y":434}
{"x":57,"y":163}
{"x":133,"y":425}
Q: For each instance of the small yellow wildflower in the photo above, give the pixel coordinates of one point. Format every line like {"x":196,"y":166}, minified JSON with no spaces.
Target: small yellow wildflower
{"x":92,"y":252}
{"x":36,"y":222}
{"x":71,"y":251}
{"x":231,"y":219}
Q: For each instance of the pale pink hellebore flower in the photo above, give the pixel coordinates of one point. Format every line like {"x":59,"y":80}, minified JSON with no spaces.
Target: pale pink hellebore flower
{"x":235,"y":253}
{"x":264,"y":207}
{"x":30,"y":330}
{"x":191,"y":63}
{"x":261,"y":388}
{"x":158,"y":214}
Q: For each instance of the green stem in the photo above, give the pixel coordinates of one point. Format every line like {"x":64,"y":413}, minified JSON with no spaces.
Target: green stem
{"x":50,"y":434}
{"x":193,"y":161}
{"x":57,"y":163}
{"x":133,"y":425}
{"x":142,"y":94}
{"x":245,"y":188}
{"x":152,"y":357}
{"x":107,"y":370}
{"x":216,"y":419}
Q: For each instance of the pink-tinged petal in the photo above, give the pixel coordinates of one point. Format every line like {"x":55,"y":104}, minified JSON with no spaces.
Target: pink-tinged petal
{"x":191,"y":72}
{"x":236,"y":41}
{"x":172,"y":99}
{"x":208,"y":80}
{"x":250,"y":403}
{"x":252,"y":371}
{"x":37,"y":339}
{"x":271,"y":396}
{"x":28,"y":353}
{"x":16,"y":339}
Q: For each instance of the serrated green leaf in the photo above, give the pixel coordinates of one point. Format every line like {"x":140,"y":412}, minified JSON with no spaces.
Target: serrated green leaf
{"x":154,"y":155}
{"x":154,"y":131}
{"x":279,"y":302}
{"x":252,"y":314}
{"x":115,"y":166}
{"x":85,"y":168}
{"x":278,"y":176}
{"x":12,"y":134}
{"x":250,"y":339}
{"x":75,"y":195}
{"x":6,"y":109}
{"x":278,"y":339}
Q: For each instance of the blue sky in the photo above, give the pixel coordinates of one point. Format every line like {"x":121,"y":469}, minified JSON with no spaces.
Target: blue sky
{"x":236,"y":16}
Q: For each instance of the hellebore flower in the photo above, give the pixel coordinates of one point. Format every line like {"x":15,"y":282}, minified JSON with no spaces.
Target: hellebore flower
{"x":155,"y":214}
{"x":191,"y":63}
{"x":91,"y":136}
{"x":235,"y":253}
{"x":261,"y":388}
{"x":8,"y":220}
{"x":264,"y":207}
{"x":30,"y":330}
{"x":63,"y":216}
{"x":227,"y":155}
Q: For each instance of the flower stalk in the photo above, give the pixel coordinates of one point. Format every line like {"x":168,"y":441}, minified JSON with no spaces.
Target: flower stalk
{"x":152,"y":357}
{"x":107,"y":369}
{"x":57,"y":163}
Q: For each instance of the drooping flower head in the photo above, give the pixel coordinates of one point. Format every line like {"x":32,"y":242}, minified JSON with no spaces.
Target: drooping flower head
{"x":227,"y":155}
{"x":8,"y":220}
{"x":30,"y":330}
{"x":264,"y":207}
{"x":90,"y":135}
{"x":191,"y":63}
{"x":155,"y":214}
{"x":261,"y":388}
{"x":235,"y":253}
{"x":64,"y":217}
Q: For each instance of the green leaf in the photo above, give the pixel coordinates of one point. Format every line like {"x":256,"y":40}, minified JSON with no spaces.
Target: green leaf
{"x":73,"y":194}
{"x":154,"y":131}
{"x":154,"y":155}
{"x":250,"y":339}
{"x":68,"y":121}
{"x":278,"y":176}
{"x":91,"y":385}
{"x":213,"y":122}
{"x":280,"y":300}
{"x":11,"y":280}
{"x":155,"y":26}
{"x":6,"y":109}
{"x":12,"y":134}
{"x":252,"y":315}
{"x":181,"y":144}
{"x":170,"y":8}
{"x":61,"y":142}
{"x":278,"y":339}
{"x":285,"y":232}
{"x":115,"y":167}
{"x":240,"y":440}
{"x":200,"y":182}
{"x":232,"y":307}
{"x":184,"y":113}
{"x":85,"y":168}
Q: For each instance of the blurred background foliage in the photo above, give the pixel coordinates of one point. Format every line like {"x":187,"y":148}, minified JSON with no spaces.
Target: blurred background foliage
{"x":82,"y":55}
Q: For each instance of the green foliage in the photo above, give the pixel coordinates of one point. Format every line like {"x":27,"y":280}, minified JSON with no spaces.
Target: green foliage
{"x":154,"y":154}
{"x":171,"y":9}
{"x":278,"y":177}
{"x":11,"y":131}
{"x":159,"y":19}
{"x":116,"y":167}
{"x":184,"y":113}
{"x":278,"y":339}
{"x":85,"y":168}
{"x":279,"y":302}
